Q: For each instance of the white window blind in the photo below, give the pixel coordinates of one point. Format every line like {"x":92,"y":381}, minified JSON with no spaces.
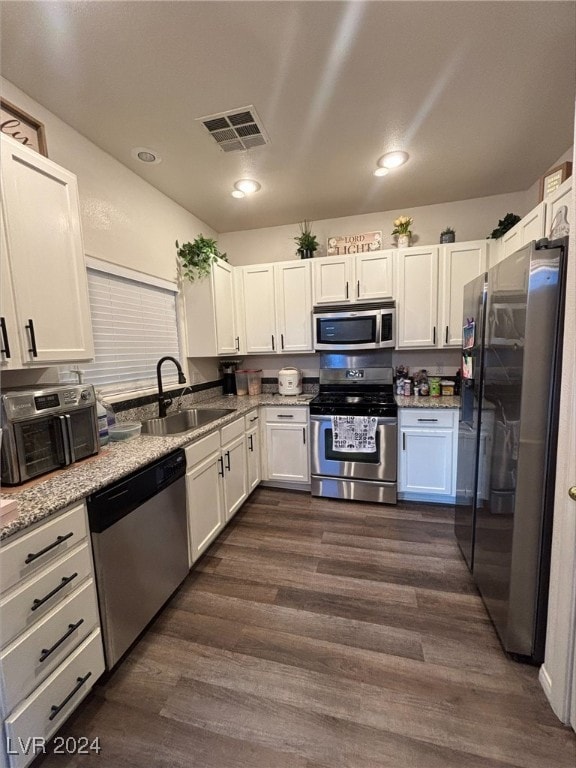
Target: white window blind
{"x":134,"y":325}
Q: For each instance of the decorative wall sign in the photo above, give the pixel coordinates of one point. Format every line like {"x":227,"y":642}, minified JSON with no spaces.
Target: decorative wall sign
{"x":550,"y":182}
{"x":343,"y":244}
{"x":22,"y":127}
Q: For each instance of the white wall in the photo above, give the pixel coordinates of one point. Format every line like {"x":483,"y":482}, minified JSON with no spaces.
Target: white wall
{"x":124,"y":219}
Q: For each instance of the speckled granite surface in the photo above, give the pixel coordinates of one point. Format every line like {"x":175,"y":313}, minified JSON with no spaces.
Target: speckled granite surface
{"x":42,"y":498}
{"x":427,"y":402}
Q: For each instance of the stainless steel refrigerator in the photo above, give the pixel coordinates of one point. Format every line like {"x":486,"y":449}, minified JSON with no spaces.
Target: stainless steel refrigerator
{"x":512,"y":325}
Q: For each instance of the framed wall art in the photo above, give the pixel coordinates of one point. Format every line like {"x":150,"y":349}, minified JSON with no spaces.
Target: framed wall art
{"x":23,"y":127}
{"x":550,"y":182}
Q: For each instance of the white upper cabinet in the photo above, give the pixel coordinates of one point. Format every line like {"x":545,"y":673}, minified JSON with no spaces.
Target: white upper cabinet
{"x":10,"y":356}
{"x":278,"y":307}
{"x":356,"y":277}
{"x":459,"y":264}
{"x":417,"y":300}
{"x":210,"y":310}
{"x":531,"y":227}
{"x":45,"y":256}
{"x":259,"y":308}
{"x":293,"y":281}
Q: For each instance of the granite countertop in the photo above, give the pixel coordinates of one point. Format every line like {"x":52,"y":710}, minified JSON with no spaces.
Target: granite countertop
{"x":445,"y":401}
{"x":43,"y":497}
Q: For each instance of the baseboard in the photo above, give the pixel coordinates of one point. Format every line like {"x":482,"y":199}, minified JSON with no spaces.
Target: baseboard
{"x":428,"y":497}
{"x":305,"y":487}
{"x":545,"y":682}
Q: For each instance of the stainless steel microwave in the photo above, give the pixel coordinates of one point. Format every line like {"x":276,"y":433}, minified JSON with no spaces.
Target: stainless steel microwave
{"x":363,"y":326}
{"x":46,"y":429}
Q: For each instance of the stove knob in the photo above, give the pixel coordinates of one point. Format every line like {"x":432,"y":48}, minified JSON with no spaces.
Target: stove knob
{"x":85,"y":394}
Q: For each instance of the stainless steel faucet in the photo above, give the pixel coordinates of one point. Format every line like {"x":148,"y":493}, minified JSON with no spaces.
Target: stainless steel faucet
{"x":163,"y":401}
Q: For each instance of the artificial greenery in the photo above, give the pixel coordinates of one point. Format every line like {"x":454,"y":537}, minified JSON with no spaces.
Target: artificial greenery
{"x":197,"y":257}
{"x":448,"y":231}
{"x":306,"y":241}
{"x":504,"y":225}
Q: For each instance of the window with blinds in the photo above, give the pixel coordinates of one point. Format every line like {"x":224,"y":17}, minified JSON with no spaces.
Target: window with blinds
{"x":134,"y":324}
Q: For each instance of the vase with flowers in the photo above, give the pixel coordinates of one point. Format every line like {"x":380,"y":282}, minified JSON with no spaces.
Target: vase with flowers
{"x":402,"y":230}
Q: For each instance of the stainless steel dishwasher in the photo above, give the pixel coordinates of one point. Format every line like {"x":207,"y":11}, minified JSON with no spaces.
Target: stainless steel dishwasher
{"x":140,"y":541}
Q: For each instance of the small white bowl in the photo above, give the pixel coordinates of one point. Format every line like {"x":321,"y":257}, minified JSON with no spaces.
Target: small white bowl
{"x":125,"y":431}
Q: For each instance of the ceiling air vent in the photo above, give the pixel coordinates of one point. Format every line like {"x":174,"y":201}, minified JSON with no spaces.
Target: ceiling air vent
{"x":236,"y":130}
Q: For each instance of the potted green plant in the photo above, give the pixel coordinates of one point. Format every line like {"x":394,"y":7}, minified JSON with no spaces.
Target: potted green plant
{"x":448,"y":235}
{"x":504,"y":225}
{"x":306,"y":241}
{"x":196,"y":257}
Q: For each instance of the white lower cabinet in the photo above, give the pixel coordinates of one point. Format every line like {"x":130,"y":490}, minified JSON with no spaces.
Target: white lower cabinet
{"x":253,"y":453}
{"x":51,"y":647}
{"x":235,"y":474}
{"x":286,"y":449}
{"x":428,"y":449}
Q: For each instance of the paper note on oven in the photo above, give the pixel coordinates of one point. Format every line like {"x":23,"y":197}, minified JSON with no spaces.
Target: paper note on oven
{"x":356,"y":434}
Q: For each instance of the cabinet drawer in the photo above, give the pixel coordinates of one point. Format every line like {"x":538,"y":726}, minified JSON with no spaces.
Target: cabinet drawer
{"x":251,"y":419}
{"x":287,"y":415}
{"x":33,"y":550}
{"x":427,"y":417}
{"x":198,"y":451}
{"x":44,"y":711}
{"x":29,"y":601}
{"x":36,"y":654}
{"x":231,"y":431}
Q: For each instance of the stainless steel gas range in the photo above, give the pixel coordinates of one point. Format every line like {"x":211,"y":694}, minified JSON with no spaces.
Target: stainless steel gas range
{"x":354,"y":428}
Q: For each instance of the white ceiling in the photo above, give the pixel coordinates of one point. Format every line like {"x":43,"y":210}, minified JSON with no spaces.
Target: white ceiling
{"x":481,"y":94}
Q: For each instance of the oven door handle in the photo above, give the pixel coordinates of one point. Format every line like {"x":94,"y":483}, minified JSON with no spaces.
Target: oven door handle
{"x":65,"y":435}
{"x":70,"y":436}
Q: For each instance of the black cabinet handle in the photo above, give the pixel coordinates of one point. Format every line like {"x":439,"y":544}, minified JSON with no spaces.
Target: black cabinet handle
{"x":434,"y":336}
{"x":254,"y":418}
{"x":403,"y":441}
{"x":30,"y":327}
{"x":40,"y":601}
{"x":227,"y":454}
{"x":285,"y":415}
{"x":427,"y":419}
{"x":221,"y":470}
{"x":237,"y":343}
{"x":282,"y":340}
{"x":346,"y":288}
{"x":251,"y":446}
{"x":273,"y":347}
{"x":304,"y":435}
{"x":79,"y":683}
{"x":6,"y":344}
{"x":446,"y":334}
{"x":358,"y":289}
{"x":71,"y":628}
{"x":34,"y":555}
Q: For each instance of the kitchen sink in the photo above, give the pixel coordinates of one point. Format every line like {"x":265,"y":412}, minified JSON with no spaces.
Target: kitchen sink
{"x":182,"y":421}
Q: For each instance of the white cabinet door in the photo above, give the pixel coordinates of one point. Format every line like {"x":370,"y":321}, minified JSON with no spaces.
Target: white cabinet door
{"x":426,"y":461}
{"x":235,"y":475}
{"x":417,"y":297}
{"x":227,"y":339}
{"x":259,"y":309}
{"x":287,"y":452}
{"x":511,"y":241}
{"x":253,"y":457}
{"x":293,"y":283}
{"x":204,"y":495}
{"x":460,"y":263}
{"x":46,"y":255}
{"x":555,"y":216}
{"x":10,"y":356}
{"x":532,"y":225}
{"x":333,"y":278}
{"x":374,"y":275}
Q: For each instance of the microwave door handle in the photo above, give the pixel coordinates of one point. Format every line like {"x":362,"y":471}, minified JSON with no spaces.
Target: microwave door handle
{"x":64,"y":441}
{"x":379,"y":329}
{"x":70,"y":437}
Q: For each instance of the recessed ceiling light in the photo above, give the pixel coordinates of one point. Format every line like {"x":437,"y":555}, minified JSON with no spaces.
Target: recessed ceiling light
{"x":238,"y":193}
{"x":393,"y":159}
{"x":247,"y":186}
{"x":381,"y":172}
{"x":144,"y":155}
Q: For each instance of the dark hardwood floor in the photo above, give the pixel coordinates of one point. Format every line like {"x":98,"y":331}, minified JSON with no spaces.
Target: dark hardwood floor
{"x":323,"y":634}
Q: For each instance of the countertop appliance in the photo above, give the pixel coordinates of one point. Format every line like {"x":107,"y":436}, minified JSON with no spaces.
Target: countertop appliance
{"x":140,"y":541}
{"x":229,"y":377}
{"x":354,"y":386}
{"x":507,"y":438}
{"x":363,"y":326}
{"x":46,"y":428}
{"x":290,"y":381}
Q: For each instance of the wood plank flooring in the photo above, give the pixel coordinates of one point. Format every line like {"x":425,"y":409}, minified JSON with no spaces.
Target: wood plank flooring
{"x":323,"y":634}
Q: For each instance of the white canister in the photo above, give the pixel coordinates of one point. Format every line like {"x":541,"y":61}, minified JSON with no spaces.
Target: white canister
{"x":290,"y":381}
